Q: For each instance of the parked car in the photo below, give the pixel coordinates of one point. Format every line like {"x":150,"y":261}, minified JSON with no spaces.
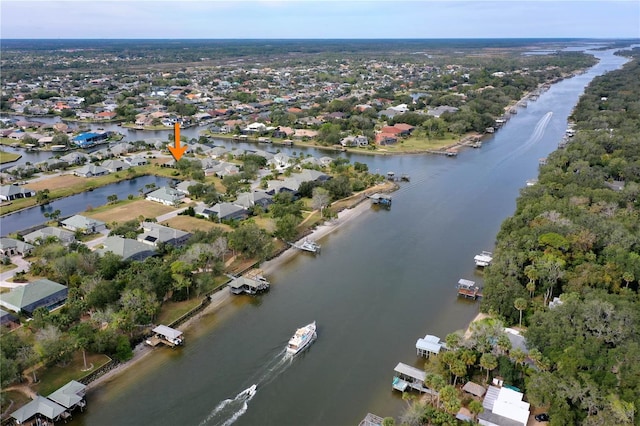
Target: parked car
{"x":542,"y":417}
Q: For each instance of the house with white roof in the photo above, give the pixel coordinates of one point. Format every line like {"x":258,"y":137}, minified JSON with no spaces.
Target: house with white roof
{"x":126,"y":248}
{"x":12,"y":192}
{"x":39,"y":235}
{"x":90,"y":170}
{"x":86,"y":225}
{"x":166,"y":195}
{"x":155,"y":234}
{"x":504,"y":407}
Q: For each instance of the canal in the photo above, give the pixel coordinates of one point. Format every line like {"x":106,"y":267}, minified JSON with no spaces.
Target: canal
{"x":383,"y":280}
{"x":75,"y":204}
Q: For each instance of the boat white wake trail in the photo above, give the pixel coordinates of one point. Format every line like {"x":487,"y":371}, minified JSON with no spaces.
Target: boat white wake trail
{"x":229,"y":410}
{"x":535,"y":137}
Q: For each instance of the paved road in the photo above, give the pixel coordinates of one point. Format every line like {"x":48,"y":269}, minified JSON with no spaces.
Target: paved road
{"x":22,"y":265}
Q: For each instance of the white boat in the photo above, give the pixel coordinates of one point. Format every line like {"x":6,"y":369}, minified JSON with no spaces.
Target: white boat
{"x":302,"y":338}
{"x":310,"y":245}
{"x":483,"y":259}
{"x":248,"y":392}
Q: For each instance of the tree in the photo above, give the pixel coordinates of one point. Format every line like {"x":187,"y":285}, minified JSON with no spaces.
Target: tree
{"x":82,"y":334}
{"x":320,"y":199}
{"x":112,"y":198}
{"x":488,"y":362}
{"x":286,"y":227}
{"x":459,"y":369}
{"x":182,"y":276}
{"x":520,"y":304}
{"x":450,"y":401}
{"x":475,"y":407}
{"x":54,"y":215}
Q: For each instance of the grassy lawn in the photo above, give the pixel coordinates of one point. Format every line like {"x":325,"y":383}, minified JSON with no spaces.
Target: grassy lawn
{"x":126,"y":210}
{"x":5,"y":268}
{"x":190,"y":224}
{"x":7,"y":157}
{"x":19,"y":399}
{"x":266,"y":223}
{"x":418,"y":144}
{"x":171,"y":311}
{"x":53,"y":378}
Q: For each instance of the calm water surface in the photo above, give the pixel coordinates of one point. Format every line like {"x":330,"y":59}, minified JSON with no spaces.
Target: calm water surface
{"x":382,"y":281}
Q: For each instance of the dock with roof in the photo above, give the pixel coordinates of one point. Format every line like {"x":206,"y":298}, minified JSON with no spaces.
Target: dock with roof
{"x":429,"y":345}
{"x":252,"y":282}
{"x":468,"y":288}
{"x":165,"y":335}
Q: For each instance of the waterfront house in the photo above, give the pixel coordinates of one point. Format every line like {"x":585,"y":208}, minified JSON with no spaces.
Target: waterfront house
{"x":87,"y":140}
{"x":155,"y":234}
{"x":354,"y":141}
{"x":223,"y":211}
{"x":135,"y":160}
{"x":115,"y":165}
{"x":166,"y":195}
{"x":90,"y":170}
{"x":13,"y":192}
{"x":86,"y":225}
{"x":254,"y":198}
{"x":504,"y":406}
{"x":40,"y":235}
{"x":126,"y":248}
{"x":29,"y":297}
{"x":75,"y":158}
{"x":12,"y":247}
{"x":184,"y":186}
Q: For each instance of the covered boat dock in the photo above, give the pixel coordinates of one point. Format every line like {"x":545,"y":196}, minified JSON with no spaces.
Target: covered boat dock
{"x":167,"y":335}
{"x":408,"y":377}
{"x":380,"y":199}
{"x":249,"y":284}
{"x":467,"y":288}
{"x":429,"y":345}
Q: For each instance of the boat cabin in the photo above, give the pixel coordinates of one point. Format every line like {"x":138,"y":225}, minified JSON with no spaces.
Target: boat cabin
{"x":167,"y":335}
{"x":483,"y":259}
{"x":467,"y":288}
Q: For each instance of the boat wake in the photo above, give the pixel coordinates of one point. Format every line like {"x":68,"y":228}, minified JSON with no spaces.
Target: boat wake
{"x":229,"y":410}
{"x":535,"y":137}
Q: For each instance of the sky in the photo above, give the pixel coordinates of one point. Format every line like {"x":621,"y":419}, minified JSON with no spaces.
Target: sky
{"x":327,"y":19}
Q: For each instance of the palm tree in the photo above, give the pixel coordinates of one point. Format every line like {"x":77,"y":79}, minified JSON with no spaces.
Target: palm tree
{"x":488,"y":362}
{"x":520,"y":304}
{"x":503,"y":344}
{"x":532,"y":273}
{"x":475,"y":407}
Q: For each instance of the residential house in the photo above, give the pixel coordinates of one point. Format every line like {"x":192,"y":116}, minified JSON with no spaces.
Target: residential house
{"x":438,"y":111}
{"x":86,"y":140}
{"x":217,"y":152}
{"x":90,"y":170}
{"x":126,"y":248}
{"x":166,"y":195}
{"x":305,"y":133}
{"x":75,"y":158}
{"x":223,"y":211}
{"x":11,"y":247}
{"x":254,"y":198}
{"x":386,"y":138}
{"x":280,"y":161}
{"x":42,"y":234}
{"x":29,"y":297}
{"x":504,"y":407}
{"x":155,"y":234}
{"x":355,"y":141}
{"x":115,"y":165}
{"x":12,"y":192}
{"x":83,"y":224}
{"x":135,"y":160}
{"x":184,"y":186}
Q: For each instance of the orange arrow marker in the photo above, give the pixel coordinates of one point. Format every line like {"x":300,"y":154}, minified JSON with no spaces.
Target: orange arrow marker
{"x":177,"y":151}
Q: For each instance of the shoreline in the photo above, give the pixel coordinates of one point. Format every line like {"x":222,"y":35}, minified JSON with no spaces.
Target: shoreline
{"x":222,"y":297}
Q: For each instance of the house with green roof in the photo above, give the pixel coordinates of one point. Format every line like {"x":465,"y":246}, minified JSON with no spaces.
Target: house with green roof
{"x":36,"y":294}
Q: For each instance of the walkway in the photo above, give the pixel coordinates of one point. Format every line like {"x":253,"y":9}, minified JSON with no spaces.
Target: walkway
{"x":22,"y":265}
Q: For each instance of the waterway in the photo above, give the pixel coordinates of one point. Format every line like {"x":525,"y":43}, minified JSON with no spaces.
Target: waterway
{"x":383,"y":280}
{"x":75,"y":204}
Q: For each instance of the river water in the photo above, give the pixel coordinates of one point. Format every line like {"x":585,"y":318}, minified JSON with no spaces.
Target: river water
{"x":75,"y":204}
{"x":383,"y":280}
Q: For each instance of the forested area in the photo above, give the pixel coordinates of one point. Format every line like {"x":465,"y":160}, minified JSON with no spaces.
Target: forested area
{"x":576,"y":235}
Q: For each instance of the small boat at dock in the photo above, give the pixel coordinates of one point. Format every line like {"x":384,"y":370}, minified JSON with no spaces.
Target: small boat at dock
{"x":307,"y":245}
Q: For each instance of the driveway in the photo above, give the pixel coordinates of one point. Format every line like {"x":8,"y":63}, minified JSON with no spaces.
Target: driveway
{"x":22,"y":265}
